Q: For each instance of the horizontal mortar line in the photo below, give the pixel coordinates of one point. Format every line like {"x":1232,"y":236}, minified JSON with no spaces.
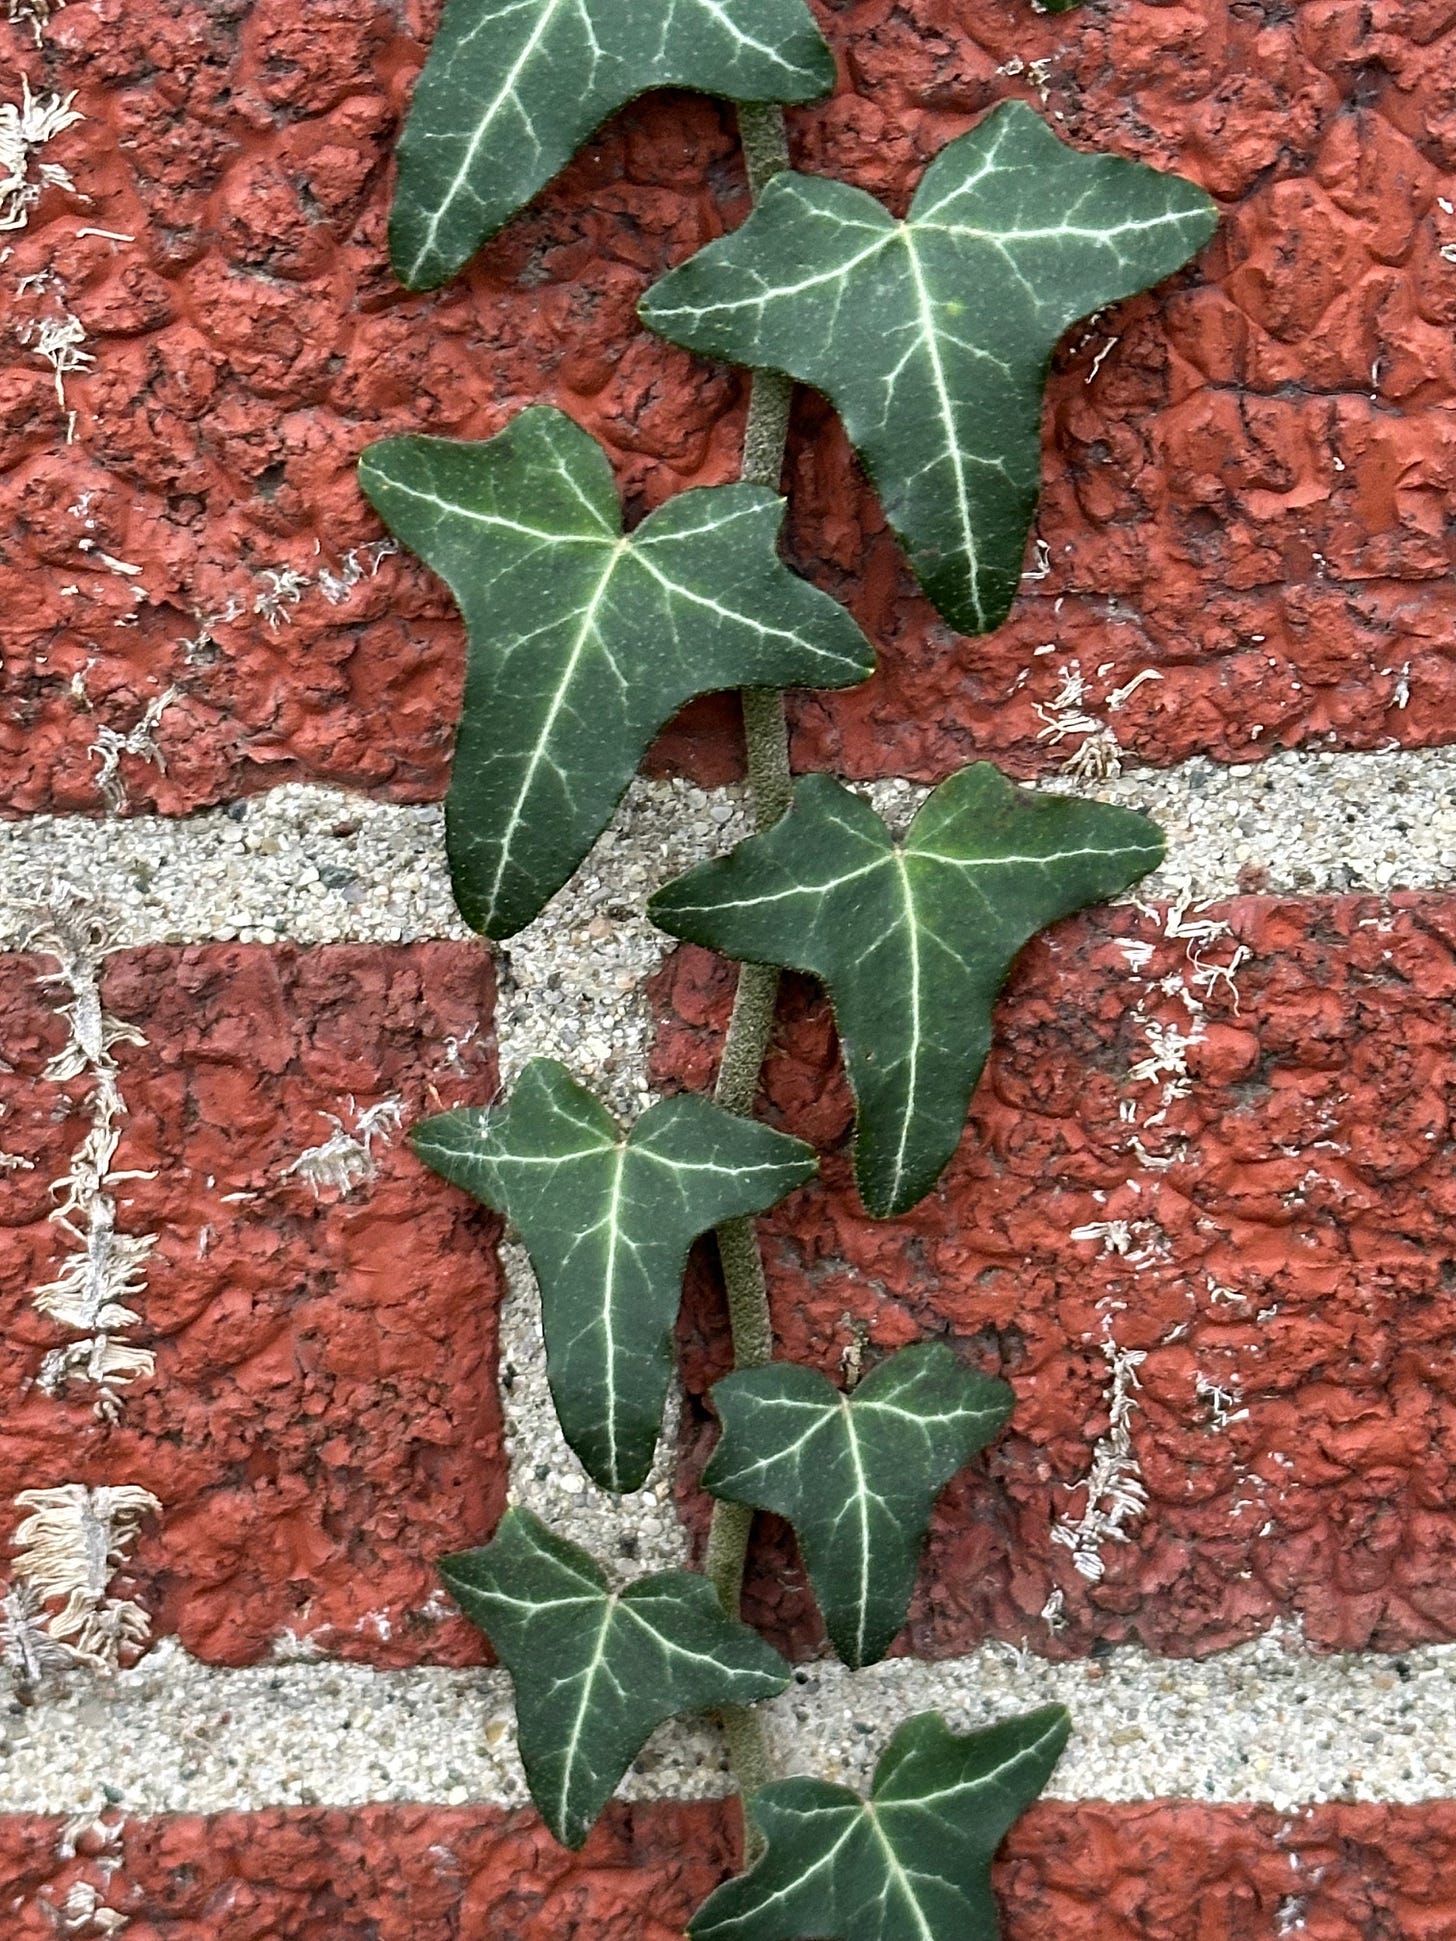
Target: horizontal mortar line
{"x":320,"y":865}
{"x":1265,"y":1723}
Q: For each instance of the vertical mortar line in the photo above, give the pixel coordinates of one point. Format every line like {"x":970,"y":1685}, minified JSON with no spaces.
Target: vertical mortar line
{"x":766,"y":734}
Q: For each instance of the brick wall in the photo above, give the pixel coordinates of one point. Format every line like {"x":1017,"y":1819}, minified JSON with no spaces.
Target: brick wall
{"x":1211,"y":1159}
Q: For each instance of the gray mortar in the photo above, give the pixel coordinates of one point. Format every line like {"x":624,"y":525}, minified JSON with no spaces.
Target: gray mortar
{"x":1258,"y":1724}
{"x":315,"y":866}
{"x":321,"y":866}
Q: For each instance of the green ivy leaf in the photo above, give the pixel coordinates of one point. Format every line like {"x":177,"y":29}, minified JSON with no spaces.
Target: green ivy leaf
{"x":512,"y":89}
{"x":913,"y":940}
{"x":911,"y":1863}
{"x":608,"y":1221}
{"x":583,"y":641}
{"x":857,"y":1475}
{"x":597,"y":1670}
{"x":933,"y":337}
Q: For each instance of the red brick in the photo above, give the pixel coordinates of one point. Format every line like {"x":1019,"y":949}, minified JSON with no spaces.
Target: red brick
{"x":1247,"y":496}
{"x":323,"y":1421}
{"x":1164,"y":1871}
{"x":1312,"y":1180}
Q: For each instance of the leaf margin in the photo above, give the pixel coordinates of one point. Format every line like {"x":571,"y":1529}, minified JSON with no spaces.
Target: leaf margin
{"x":820,"y":795}
{"x":477,"y":1165}
{"x":425,"y":265}
{"x":519,"y":1528}
{"x":818,"y":644}
{"x":923,"y":1366}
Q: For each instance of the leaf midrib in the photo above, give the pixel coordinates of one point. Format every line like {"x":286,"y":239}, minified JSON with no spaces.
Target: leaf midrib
{"x":558,"y":701}
{"x":477,"y":517}
{"x":897,"y":1871}
{"x":912,"y":923}
{"x":979,"y":1782}
{"x":675,"y":588}
{"x":588,"y":1690}
{"x":931,"y":342}
{"x":862,"y":1487}
{"x":608,"y":1315}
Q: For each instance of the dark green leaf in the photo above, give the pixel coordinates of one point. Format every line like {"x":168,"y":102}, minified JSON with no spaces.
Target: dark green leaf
{"x":512,"y":89}
{"x":856,"y":1475}
{"x":911,"y":1863}
{"x":913,"y":941}
{"x":608,"y":1221}
{"x":583,"y":642}
{"x":933,"y":337}
{"x":597,"y":1670}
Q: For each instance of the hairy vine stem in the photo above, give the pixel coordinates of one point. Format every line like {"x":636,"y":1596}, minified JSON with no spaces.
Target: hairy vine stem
{"x":766,"y":733}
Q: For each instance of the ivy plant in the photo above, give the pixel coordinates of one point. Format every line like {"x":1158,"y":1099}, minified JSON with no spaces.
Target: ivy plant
{"x":933,"y":338}
{"x":584,"y":640}
{"x":911,"y":1861}
{"x":857,"y":1475}
{"x":608,"y":1219}
{"x":914,"y":939}
{"x":513,"y":87}
{"x":597,"y":1668}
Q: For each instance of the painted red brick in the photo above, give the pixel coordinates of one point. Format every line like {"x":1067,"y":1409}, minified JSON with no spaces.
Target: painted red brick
{"x":323,"y":1422}
{"x":1245,"y":494}
{"x":1289,"y":1246}
{"x":1166,"y":1871}
{"x":410,"y":1873}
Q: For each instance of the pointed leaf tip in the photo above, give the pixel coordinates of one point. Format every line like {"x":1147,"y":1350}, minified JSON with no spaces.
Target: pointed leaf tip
{"x":512,"y":88}
{"x":585,"y":641}
{"x":856,"y":1475}
{"x":607,"y":1219}
{"x":597,"y":1670}
{"x":911,"y":1863}
{"x":933,"y":337}
{"x":913,"y":940}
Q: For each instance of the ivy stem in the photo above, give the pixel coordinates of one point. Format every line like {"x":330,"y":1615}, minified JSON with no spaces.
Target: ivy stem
{"x":766,"y":733}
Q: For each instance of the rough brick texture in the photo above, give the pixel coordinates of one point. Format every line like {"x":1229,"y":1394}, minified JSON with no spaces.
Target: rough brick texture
{"x":1284,"y":1263}
{"x":323,"y":1420}
{"x":1246,"y":473}
{"x":1087,"y":1872}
